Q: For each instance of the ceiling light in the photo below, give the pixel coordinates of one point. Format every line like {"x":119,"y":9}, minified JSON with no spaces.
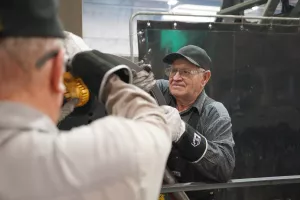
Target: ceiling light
{"x":192,"y":9}
{"x":172,"y":2}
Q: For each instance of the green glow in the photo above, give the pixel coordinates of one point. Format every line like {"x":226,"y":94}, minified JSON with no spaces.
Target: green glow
{"x":173,"y":39}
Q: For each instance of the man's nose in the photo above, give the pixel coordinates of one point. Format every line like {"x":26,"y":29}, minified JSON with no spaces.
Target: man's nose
{"x":177,"y":76}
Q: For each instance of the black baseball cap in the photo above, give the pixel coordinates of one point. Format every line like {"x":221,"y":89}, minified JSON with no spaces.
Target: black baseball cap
{"x":30,"y":18}
{"x":193,"y":54}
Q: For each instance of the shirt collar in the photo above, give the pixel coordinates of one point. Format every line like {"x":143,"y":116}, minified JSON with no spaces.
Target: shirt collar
{"x":198,"y":104}
{"x":20,"y":116}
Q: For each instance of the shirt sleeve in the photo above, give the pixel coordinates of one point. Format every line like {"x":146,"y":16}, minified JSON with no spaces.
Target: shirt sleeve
{"x":125,"y":152}
{"x":219,"y":160}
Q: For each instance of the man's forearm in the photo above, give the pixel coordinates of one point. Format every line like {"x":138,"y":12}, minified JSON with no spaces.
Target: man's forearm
{"x":214,"y":159}
{"x":128,"y":101}
{"x":215,"y":163}
{"x":191,"y":144}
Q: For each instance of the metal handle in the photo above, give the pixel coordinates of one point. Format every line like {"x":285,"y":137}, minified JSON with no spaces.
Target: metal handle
{"x":170,"y":179}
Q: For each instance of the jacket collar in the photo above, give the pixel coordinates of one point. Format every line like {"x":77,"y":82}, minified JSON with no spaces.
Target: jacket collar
{"x":20,"y":116}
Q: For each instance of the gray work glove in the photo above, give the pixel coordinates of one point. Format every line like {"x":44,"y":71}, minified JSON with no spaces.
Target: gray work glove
{"x":144,"y":79}
{"x":175,"y":124}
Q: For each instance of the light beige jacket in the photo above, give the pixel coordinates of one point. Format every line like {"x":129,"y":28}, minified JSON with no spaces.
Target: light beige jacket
{"x":120,"y":157}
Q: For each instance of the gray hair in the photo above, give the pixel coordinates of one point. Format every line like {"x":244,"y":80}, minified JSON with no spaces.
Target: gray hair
{"x":26,"y":51}
{"x":19,"y":55}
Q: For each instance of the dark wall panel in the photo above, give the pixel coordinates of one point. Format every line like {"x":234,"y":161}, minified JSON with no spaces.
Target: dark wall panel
{"x":256,"y":75}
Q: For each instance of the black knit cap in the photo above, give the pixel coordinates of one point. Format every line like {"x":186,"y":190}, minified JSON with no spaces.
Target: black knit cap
{"x":30,"y":18}
{"x":193,"y":54}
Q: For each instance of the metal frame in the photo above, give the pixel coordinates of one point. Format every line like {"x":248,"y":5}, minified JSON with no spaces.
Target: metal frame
{"x":133,"y":16}
{"x":241,"y":7}
{"x":269,"y":10}
{"x":171,"y":180}
{"x":296,"y":10}
{"x":236,"y":183}
{"x":270,"y":7}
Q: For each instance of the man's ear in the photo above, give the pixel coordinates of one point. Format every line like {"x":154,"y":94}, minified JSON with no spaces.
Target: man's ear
{"x":206,"y":77}
{"x":57,"y":72}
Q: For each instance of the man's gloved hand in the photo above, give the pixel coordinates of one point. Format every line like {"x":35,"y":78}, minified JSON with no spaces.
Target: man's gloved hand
{"x":145,"y":78}
{"x":191,"y":144}
{"x":174,"y":122}
{"x":95,"y":68}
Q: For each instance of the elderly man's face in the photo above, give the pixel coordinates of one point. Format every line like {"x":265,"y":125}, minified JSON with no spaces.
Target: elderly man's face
{"x":187,"y":80}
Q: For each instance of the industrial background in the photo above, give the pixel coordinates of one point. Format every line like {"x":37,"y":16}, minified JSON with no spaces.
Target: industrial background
{"x":268,"y":144}
{"x":104,"y":23}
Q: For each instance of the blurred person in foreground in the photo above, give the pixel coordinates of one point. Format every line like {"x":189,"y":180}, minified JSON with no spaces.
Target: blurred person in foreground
{"x":112,"y":158}
{"x":203,"y":149}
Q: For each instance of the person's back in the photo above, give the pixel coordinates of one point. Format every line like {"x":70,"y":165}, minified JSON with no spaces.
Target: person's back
{"x":122,"y":156}
{"x":39,"y":162}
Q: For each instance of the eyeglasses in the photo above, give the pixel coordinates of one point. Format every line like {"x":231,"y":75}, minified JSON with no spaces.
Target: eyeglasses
{"x":184,"y":73}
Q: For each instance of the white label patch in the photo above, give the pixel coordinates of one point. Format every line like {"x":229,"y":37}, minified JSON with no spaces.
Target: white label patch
{"x":196,"y":140}
{"x":176,"y":173}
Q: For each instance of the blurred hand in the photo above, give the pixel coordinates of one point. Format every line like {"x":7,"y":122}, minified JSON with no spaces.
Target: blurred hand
{"x":176,"y":125}
{"x":144,"y":79}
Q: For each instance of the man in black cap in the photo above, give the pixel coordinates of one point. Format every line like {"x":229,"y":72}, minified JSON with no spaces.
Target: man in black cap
{"x":109,"y":159}
{"x":203,"y":150}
